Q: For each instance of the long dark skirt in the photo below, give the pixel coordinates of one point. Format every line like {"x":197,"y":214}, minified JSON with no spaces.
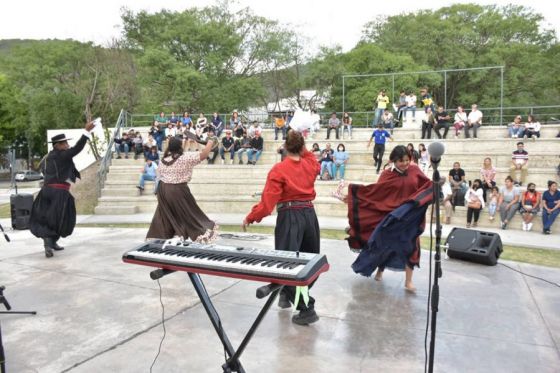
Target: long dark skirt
{"x":53,"y":213}
{"x":297,"y":229}
{"x":177,"y":214}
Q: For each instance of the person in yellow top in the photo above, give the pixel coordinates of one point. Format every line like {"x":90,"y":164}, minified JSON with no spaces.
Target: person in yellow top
{"x":382,"y":103}
{"x":279,"y":126}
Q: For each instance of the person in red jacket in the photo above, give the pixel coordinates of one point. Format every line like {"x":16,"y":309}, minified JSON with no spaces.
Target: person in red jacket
{"x":290,"y":187}
{"x":402,"y":182}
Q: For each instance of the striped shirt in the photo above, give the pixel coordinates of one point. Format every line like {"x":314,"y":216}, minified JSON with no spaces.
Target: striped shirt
{"x":520,"y":156}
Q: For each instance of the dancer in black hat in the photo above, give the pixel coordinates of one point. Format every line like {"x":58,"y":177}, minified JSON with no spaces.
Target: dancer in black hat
{"x":54,"y":213}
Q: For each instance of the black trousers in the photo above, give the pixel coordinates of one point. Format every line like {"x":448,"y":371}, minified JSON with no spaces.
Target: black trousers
{"x":336,"y":130}
{"x":378,"y":151}
{"x":297,"y":229}
{"x":486,"y":188}
{"x":470,"y":212}
{"x":426,"y":130}
{"x":439,"y":126}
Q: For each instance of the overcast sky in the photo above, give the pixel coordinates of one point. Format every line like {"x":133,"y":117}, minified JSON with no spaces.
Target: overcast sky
{"x":325,"y":22}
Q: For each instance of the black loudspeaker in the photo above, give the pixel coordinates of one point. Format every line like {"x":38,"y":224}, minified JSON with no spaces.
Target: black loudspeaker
{"x":20,"y":208}
{"x":475,"y":246}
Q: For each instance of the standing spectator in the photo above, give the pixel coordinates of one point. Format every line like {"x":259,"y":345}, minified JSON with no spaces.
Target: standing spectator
{"x":493,"y":202}
{"x":244,"y":146}
{"x":447,"y":196}
{"x":382,"y":102}
{"x":411,"y":105}
{"x":550,"y":205}
{"x":334,"y":124}
{"x":123,"y":145}
{"x":252,"y":130}
{"x":475,"y":203}
{"x":162,"y":119}
{"x":340,"y":157}
{"x":316,"y":151}
{"x":488,"y":176}
{"x":347,"y":125}
{"x":424,"y":159}
{"x":516,"y":128}
{"x":234,"y":120}
{"x":388,"y":120}
{"x":380,"y":135}
{"x":530,"y":204}
{"x":227,"y":146}
{"x":519,"y":164}
{"x":458,"y":183}
{"x":218,"y":124}
{"x":413,"y":155}
{"x":428,"y":123}
{"x":508,"y":202}
{"x":532,"y":128}
{"x":427,"y":101}
{"x":442,"y":120}
{"x":401,"y":108}
{"x":257,"y":145}
{"x":327,"y":161}
{"x":279,"y":126}
{"x":474,"y":121}
{"x":214,"y":150}
{"x":148,"y":174}
{"x":459,"y":120}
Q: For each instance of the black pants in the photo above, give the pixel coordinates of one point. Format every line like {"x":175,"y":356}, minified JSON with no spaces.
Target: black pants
{"x":297,"y":229}
{"x":439,"y":126}
{"x":470,"y":212}
{"x":329,"y":132}
{"x":486,"y":188}
{"x":378,"y":151}
{"x":212,"y":156}
{"x":426,"y":130}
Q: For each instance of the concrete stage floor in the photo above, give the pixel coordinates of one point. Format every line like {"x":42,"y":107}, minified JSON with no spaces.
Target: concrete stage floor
{"x":97,"y":314}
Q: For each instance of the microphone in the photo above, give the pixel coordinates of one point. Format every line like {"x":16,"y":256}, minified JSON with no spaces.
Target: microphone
{"x":436,"y":150}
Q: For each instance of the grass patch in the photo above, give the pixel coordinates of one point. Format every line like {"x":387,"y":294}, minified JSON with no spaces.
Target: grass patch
{"x":544,"y":257}
{"x":5,"y":211}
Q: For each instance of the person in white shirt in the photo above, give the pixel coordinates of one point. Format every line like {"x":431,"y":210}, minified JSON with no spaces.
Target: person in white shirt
{"x":316,"y":122}
{"x":475,"y":202}
{"x":459,"y":121}
{"x":532,"y":128}
{"x":447,"y":195}
{"x":474,"y":120}
{"x":410,"y":105}
{"x":254,"y":128}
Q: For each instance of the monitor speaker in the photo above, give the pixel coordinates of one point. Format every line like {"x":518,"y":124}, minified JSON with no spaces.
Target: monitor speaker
{"x":475,"y":246}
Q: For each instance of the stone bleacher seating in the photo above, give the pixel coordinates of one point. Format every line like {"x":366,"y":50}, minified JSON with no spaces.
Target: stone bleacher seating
{"x":230,"y":188}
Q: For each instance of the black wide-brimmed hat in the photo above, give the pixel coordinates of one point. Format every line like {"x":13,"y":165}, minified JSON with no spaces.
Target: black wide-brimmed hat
{"x":59,"y":138}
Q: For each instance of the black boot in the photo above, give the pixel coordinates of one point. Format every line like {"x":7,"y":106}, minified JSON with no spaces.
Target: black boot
{"x":305,"y":317}
{"x":48,"y":245}
{"x":56,"y":246}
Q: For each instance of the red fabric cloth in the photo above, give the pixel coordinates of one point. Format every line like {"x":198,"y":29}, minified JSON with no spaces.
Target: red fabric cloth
{"x":65,"y":186}
{"x":289,"y":180}
{"x":368,"y":204}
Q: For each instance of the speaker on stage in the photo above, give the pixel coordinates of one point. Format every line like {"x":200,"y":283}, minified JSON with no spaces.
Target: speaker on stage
{"x":475,"y":246}
{"x":20,"y":208}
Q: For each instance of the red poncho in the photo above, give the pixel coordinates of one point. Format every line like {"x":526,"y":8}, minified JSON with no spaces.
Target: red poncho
{"x":368,"y":204}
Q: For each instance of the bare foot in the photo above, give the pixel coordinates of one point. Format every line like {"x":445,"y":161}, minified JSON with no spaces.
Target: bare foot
{"x":409,"y":287}
{"x":379,"y":276}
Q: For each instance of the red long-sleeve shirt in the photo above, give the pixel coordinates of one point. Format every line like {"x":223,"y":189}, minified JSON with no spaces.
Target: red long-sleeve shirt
{"x":289,"y":180}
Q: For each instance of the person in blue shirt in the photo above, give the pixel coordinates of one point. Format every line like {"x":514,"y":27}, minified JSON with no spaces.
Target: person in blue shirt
{"x":550,"y":206}
{"x":340,"y":157}
{"x":149,"y":173}
{"x":380,"y":135}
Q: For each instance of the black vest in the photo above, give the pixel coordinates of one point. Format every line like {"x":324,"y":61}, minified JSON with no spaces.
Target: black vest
{"x":58,"y":166}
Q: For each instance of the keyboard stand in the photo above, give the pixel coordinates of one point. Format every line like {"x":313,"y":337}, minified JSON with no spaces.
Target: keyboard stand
{"x":232,"y":363}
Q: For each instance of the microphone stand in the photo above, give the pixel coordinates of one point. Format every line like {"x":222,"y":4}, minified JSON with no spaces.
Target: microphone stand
{"x":437,"y":268}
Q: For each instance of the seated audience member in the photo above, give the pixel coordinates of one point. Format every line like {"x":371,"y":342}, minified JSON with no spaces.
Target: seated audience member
{"x":340,"y":159}
{"x":138,"y":145}
{"x":401,"y":106}
{"x":459,"y":120}
{"x":488,"y":176}
{"x":123,"y":145}
{"x":216,"y":145}
{"x":279,"y":126}
{"x":423,"y":159}
{"x":238,"y":130}
{"x":458,"y":183}
{"x":428,"y":123}
{"x":334,"y":124}
{"x":442,"y":120}
{"x":158,"y":132}
{"x":516,"y":128}
{"x":474,"y":121}
{"x":410,"y":105}
{"x":148,"y":144}
{"x":316,"y":122}
{"x":532,"y":128}
{"x":227,"y":147}
{"x":257,"y":145}
{"x":153,"y":154}
{"x":388,"y":120}
{"x":162,"y":119}
{"x":347,"y":124}
{"x":200,"y":125}
{"x":474,"y":202}
{"x":218,"y":124}
{"x":234,"y":120}
{"x":530,"y":204}
{"x":254,"y":128}
{"x":186,"y":120}
{"x":493,"y":199}
{"x":148,"y":174}
{"x":244,"y":144}
{"x":508,"y":202}
{"x":446,"y":199}
{"x":413,"y":154}
{"x":316,"y":151}
{"x":327,"y":162}
{"x":174,"y":119}
{"x":519,"y":164}
{"x":550,"y":206}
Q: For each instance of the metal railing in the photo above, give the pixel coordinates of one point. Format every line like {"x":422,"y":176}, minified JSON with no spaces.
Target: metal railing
{"x":106,"y":161}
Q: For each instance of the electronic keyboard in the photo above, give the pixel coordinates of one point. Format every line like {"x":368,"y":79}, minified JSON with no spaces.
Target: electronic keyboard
{"x":274,"y":266}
